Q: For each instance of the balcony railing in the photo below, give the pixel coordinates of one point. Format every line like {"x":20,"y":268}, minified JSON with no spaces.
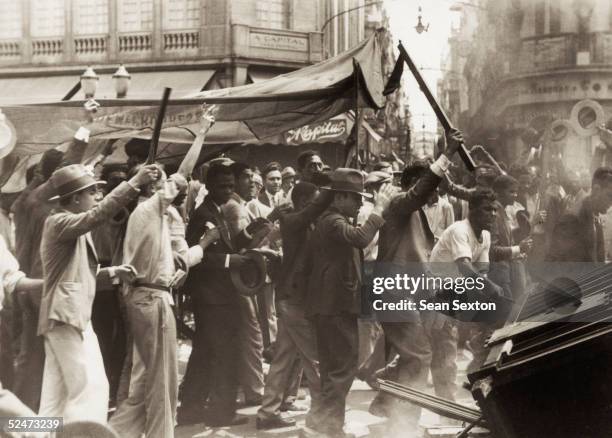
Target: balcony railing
{"x":278,"y":45}
{"x":48,"y":47}
{"x":10,"y":49}
{"x":95,"y":44}
{"x":135,"y":42}
{"x":181,"y":40}
{"x":558,"y":52}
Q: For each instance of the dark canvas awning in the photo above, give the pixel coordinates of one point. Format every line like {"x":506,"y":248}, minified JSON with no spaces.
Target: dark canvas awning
{"x":247,"y":113}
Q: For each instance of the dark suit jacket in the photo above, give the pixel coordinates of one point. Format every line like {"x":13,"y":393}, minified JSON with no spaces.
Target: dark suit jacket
{"x":210,"y":280}
{"x":335,"y":282}
{"x":577,"y":236}
{"x":295,"y":228}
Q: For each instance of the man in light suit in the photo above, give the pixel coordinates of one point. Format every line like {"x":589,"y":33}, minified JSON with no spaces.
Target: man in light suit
{"x":74,"y":382}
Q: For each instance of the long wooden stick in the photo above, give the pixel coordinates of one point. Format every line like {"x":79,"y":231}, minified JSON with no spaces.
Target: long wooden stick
{"x":440,"y":114}
{"x":158,"y":126}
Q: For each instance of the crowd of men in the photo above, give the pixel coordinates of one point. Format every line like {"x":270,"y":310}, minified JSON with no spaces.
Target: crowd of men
{"x":90,"y":271}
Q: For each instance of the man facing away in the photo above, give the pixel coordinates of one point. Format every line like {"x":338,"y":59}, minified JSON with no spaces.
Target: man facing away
{"x":295,"y":332}
{"x":74,"y":382}
{"x":334,"y":290}
{"x":151,"y":405}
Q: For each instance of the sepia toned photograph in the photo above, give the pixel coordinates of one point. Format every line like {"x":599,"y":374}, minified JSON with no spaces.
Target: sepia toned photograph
{"x":306,"y":218}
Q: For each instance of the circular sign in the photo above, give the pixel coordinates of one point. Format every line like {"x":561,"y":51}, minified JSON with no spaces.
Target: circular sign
{"x":560,"y":129}
{"x":586,"y":116}
{"x":8,"y":136}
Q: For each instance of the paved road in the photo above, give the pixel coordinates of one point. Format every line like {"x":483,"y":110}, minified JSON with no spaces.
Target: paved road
{"x":359,"y":421}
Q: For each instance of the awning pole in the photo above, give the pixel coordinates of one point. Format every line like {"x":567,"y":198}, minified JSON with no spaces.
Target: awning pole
{"x":356,"y":96}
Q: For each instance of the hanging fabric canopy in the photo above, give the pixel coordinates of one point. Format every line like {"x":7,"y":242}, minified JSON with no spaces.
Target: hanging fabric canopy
{"x":247,"y":114}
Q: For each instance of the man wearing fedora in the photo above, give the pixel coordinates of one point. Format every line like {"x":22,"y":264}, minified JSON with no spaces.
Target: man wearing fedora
{"x":334,"y":289}
{"x":30,"y":212}
{"x":74,"y":382}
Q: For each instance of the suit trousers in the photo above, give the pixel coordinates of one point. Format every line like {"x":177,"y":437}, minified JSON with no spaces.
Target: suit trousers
{"x":296,"y":335}
{"x":443,"y":342}
{"x":410,"y":341}
{"x":107,"y":322}
{"x":30,"y":362}
{"x":74,"y":382}
{"x":7,"y":352}
{"x":212,"y":370}
{"x":250,"y":371}
{"x":338,"y":348}
{"x":151,"y":404}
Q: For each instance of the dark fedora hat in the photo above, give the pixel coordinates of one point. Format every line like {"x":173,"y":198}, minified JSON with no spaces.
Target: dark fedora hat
{"x":72,"y":179}
{"x":251,"y":276}
{"x":347,"y":180}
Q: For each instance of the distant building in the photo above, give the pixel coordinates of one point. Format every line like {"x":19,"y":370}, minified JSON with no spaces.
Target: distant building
{"x":533,"y":71}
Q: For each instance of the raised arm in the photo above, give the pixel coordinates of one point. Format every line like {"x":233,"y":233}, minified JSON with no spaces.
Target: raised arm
{"x":191,"y":158}
{"x":70,"y":226}
{"x":341,"y":231}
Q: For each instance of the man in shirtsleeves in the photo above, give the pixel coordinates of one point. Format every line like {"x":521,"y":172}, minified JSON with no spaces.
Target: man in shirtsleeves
{"x":151,"y":405}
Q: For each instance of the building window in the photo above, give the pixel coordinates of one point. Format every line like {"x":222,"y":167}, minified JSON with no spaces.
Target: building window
{"x":90,"y":17}
{"x":10,"y":19}
{"x":135,"y":15}
{"x":181,"y":14}
{"x":540,"y":17}
{"x":47,"y":18}
{"x":555,"y":17}
{"x":272,"y":14}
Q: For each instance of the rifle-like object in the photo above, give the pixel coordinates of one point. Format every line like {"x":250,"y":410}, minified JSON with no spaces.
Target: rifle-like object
{"x":158,"y":126}
{"x":440,"y":114}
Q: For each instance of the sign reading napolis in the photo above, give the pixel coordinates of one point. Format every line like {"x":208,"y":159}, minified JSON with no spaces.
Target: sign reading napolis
{"x":330,"y":130}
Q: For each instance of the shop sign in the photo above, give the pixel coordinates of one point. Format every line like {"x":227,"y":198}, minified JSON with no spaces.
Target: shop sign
{"x":328,"y":131}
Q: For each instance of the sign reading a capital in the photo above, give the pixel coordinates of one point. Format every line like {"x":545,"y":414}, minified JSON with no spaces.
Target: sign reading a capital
{"x":8,"y":136}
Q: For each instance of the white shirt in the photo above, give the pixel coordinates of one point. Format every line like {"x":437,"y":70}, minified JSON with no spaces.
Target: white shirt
{"x":439,"y":216}
{"x":371,"y":251}
{"x":459,"y":241}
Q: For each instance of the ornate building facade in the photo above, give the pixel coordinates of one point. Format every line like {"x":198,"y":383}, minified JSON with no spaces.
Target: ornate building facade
{"x":190,"y":45}
{"x":537,"y":72}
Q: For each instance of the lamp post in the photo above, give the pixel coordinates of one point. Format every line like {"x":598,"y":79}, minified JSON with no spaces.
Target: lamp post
{"x":89,"y":82}
{"x":121,"y":78}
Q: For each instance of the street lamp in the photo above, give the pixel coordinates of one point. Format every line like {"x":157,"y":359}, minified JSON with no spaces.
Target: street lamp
{"x":121,"y":78}
{"x":89,"y":82}
{"x":419,"y":27}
